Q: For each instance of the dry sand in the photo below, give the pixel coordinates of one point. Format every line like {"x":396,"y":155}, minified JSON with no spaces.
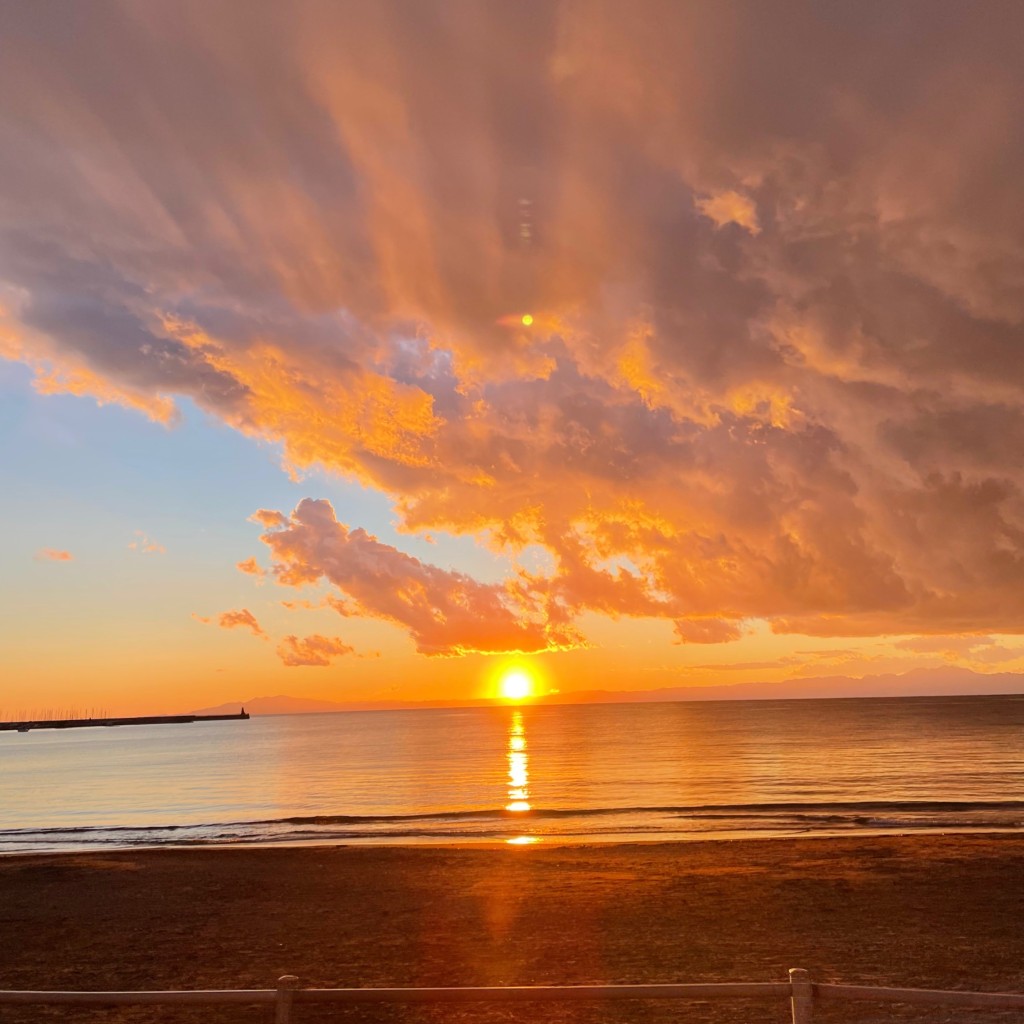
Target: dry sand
{"x":929,"y":911}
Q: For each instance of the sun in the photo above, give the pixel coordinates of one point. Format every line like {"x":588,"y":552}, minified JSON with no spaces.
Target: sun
{"x":516,"y":684}
{"x":527,"y":319}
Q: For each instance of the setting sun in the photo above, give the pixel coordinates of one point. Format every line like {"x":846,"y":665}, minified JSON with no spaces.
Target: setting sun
{"x":516,"y":685}
{"x":527,"y":320}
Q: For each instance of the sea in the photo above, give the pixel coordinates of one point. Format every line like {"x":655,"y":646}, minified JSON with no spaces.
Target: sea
{"x":523,"y":775}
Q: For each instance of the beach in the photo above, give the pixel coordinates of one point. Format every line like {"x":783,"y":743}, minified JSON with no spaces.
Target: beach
{"x":916,"y":911}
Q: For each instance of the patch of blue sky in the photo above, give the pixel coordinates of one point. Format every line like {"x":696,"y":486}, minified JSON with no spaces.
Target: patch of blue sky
{"x":94,"y":475}
{"x":537,"y":560}
{"x":85,"y":478}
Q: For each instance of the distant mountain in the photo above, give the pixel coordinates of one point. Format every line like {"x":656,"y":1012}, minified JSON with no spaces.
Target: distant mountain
{"x":916,"y":683}
{"x":922,"y":682}
{"x":284,"y":705}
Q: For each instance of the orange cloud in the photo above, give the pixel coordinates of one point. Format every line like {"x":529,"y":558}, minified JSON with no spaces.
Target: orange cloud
{"x":53,"y":555}
{"x":445,"y":612}
{"x":241,"y":619}
{"x":251,"y":568}
{"x":145,"y":546}
{"x":730,"y":207}
{"x":301,"y":603}
{"x":268,"y":519}
{"x":706,"y":631}
{"x":314,"y":650}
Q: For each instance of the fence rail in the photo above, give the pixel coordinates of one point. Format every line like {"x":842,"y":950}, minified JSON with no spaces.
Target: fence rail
{"x":801,"y":992}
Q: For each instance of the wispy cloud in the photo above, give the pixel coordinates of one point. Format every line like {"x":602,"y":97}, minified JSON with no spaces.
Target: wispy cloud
{"x":969,"y":649}
{"x":313,"y":650}
{"x":707,"y":631}
{"x":251,"y":568}
{"x":53,"y":555}
{"x":145,"y":545}
{"x":241,"y":618}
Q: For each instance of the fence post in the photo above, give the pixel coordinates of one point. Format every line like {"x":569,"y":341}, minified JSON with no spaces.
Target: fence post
{"x":801,"y":998}
{"x":286,"y":986}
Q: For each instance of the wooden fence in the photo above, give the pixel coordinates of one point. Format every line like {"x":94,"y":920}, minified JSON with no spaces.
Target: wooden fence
{"x":801,"y":992}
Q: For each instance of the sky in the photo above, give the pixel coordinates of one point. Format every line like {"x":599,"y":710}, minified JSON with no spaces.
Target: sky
{"x":366,"y":350}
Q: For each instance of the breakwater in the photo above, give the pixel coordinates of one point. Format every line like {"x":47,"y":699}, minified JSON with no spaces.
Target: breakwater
{"x":85,"y":723}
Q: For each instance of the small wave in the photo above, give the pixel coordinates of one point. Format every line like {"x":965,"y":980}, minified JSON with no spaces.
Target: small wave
{"x":824,"y":811}
{"x":698,"y":821}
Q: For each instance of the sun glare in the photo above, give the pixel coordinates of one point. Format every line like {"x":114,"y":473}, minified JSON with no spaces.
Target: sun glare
{"x":516,"y":685}
{"x":527,"y":319}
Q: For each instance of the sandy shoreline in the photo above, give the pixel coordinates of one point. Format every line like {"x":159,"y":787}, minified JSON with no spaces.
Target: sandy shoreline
{"x":931,"y":911}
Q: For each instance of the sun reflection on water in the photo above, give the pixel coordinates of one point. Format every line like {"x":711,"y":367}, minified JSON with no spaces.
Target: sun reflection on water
{"x":518,"y":766}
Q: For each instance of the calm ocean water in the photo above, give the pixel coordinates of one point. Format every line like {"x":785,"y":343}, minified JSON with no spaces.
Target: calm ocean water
{"x":623,"y":772}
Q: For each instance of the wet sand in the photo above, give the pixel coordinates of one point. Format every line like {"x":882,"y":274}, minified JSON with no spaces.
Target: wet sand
{"x":928,"y":911}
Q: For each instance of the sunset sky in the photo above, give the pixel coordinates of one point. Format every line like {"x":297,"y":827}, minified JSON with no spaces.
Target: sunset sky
{"x":359,"y":350}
